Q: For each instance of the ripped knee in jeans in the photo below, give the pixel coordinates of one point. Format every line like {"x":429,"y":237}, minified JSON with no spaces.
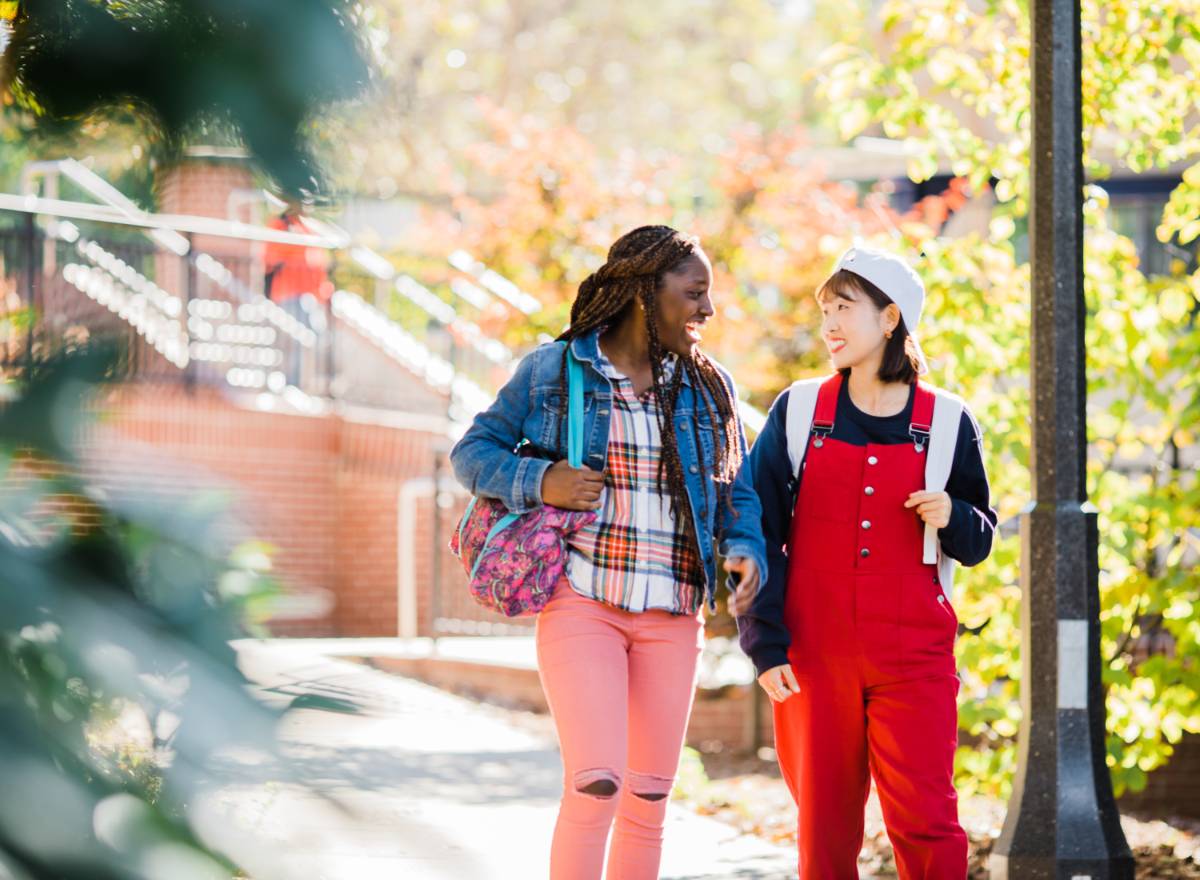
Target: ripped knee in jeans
{"x":598,"y":782}
{"x":649,"y":787}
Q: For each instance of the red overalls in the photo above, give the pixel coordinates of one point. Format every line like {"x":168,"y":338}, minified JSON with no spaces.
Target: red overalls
{"x":873,"y":651}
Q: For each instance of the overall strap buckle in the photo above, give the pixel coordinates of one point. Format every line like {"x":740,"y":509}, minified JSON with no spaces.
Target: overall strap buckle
{"x":826,"y":409}
{"x":921,"y":425}
{"x":920,"y":438}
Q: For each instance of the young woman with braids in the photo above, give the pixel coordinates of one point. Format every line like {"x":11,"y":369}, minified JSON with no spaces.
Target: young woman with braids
{"x":618,"y":642}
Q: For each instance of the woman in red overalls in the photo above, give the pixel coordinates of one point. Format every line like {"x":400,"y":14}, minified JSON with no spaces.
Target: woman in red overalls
{"x":852,"y":635}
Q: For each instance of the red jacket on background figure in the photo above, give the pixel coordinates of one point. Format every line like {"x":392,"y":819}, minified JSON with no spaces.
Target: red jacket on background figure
{"x":293,"y":270}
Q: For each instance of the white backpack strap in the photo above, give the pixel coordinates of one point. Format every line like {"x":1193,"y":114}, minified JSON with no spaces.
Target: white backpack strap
{"x":801,"y":405}
{"x":946,"y":566}
{"x":943,"y":438}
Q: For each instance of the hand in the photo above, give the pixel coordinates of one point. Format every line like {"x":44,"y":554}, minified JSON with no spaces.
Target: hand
{"x":745,"y":587}
{"x":779,"y":682}
{"x":932,"y":507}
{"x":572,"y":488}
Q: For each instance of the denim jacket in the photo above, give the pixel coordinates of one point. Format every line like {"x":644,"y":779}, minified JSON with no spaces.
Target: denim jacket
{"x":530,"y":407}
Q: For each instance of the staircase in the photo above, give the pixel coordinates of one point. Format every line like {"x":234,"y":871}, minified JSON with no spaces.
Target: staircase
{"x":199,"y":319}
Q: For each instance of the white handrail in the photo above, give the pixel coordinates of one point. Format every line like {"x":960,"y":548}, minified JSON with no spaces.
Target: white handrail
{"x":173,"y":222}
{"x":494,"y":282}
{"x":92,"y":183}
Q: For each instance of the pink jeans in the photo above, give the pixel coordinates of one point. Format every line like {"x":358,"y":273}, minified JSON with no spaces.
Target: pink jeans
{"x":620,"y":688}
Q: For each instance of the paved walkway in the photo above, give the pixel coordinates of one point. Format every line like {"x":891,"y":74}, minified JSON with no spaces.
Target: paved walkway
{"x":719,"y":666}
{"x":421,"y":785}
{"x":515,"y":651}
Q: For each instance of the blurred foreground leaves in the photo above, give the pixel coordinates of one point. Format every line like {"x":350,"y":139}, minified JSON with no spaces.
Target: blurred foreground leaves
{"x":255,"y":71}
{"x":118,"y":685}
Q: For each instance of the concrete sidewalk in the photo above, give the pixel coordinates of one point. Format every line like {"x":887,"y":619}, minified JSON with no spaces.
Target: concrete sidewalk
{"x":422,"y":785}
{"x":518,"y":652}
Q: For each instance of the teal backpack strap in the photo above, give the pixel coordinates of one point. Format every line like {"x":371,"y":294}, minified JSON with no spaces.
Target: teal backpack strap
{"x":574,"y":449}
{"x":574,"y":411}
{"x":501,"y":524}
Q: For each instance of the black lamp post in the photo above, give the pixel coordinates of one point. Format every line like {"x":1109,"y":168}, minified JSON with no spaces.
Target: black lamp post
{"x":1062,"y":818}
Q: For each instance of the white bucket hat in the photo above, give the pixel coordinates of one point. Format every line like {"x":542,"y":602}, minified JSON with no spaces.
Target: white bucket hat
{"x":897,"y":280}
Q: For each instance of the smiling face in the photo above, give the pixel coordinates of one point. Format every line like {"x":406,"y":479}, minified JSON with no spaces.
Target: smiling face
{"x":685,"y":304}
{"x":853,"y":327}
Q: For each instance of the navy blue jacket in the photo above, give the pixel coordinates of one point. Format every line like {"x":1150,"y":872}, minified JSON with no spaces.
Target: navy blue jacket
{"x":968,"y":538}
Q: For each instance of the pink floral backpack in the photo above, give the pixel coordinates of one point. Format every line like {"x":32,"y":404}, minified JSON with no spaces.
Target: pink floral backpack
{"x":514,"y":560}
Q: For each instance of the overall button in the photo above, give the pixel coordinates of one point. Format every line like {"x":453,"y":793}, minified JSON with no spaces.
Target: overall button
{"x":683,"y":426}
{"x":864,"y":552}
{"x":693,"y":469}
{"x":604,"y":412}
{"x":872,"y":460}
{"x":870,"y":490}
{"x":866,"y":524}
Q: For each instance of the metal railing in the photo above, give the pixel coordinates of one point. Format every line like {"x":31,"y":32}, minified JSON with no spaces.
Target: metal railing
{"x":202,"y":318}
{"x":175,"y":317}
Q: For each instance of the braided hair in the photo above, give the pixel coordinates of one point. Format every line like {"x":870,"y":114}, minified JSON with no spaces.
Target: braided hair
{"x":634,"y":270}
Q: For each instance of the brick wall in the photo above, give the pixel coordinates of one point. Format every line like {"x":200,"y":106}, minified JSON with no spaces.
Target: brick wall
{"x":375,"y":462}
{"x":201,"y":186}
{"x":322,"y":490}
{"x":719,"y":717}
{"x":1173,"y":790}
{"x":722,"y":718}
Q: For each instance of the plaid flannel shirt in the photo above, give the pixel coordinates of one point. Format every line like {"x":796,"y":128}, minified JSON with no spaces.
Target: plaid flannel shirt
{"x":635,"y":556}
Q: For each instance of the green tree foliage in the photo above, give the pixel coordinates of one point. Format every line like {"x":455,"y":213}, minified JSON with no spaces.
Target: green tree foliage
{"x":669,"y":79}
{"x":953,"y":81}
{"x":257,"y":72}
{"x":766,"y":213}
